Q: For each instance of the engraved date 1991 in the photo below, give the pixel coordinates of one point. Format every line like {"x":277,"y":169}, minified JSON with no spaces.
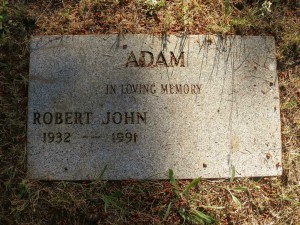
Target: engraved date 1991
{"x":126,"y":137}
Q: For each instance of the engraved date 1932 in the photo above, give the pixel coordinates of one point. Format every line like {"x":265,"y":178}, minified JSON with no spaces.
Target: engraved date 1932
{"x":56,"y":137}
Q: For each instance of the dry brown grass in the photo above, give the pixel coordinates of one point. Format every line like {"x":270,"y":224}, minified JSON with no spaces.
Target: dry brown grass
{"x":263,"y":201}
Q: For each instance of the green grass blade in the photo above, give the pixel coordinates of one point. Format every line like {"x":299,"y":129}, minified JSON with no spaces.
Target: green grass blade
{"x":190,"y":185}
{"x":111,"y":200}
{"x":200,"y":216}
{"x":240,"y":188}
{"x":236,"y":201}
{"x":102,"y":172}
{"x":167,"y":212}
{"x":173,"y":182}
{"x":227,"y":7}
{"x":232,"y":173}
{"x":183,"y":214}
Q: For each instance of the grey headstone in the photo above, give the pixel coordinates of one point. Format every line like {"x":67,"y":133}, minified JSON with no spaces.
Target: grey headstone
{"x":204,"y":106}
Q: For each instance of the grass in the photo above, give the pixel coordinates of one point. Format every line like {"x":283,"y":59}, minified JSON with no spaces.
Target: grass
{"x":235,"y":201}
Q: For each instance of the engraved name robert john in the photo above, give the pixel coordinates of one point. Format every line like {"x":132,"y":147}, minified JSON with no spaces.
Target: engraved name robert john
{"x":86,"y":118}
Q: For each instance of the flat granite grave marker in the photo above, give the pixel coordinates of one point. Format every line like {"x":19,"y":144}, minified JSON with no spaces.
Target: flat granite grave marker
{"x":133,"y":106}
